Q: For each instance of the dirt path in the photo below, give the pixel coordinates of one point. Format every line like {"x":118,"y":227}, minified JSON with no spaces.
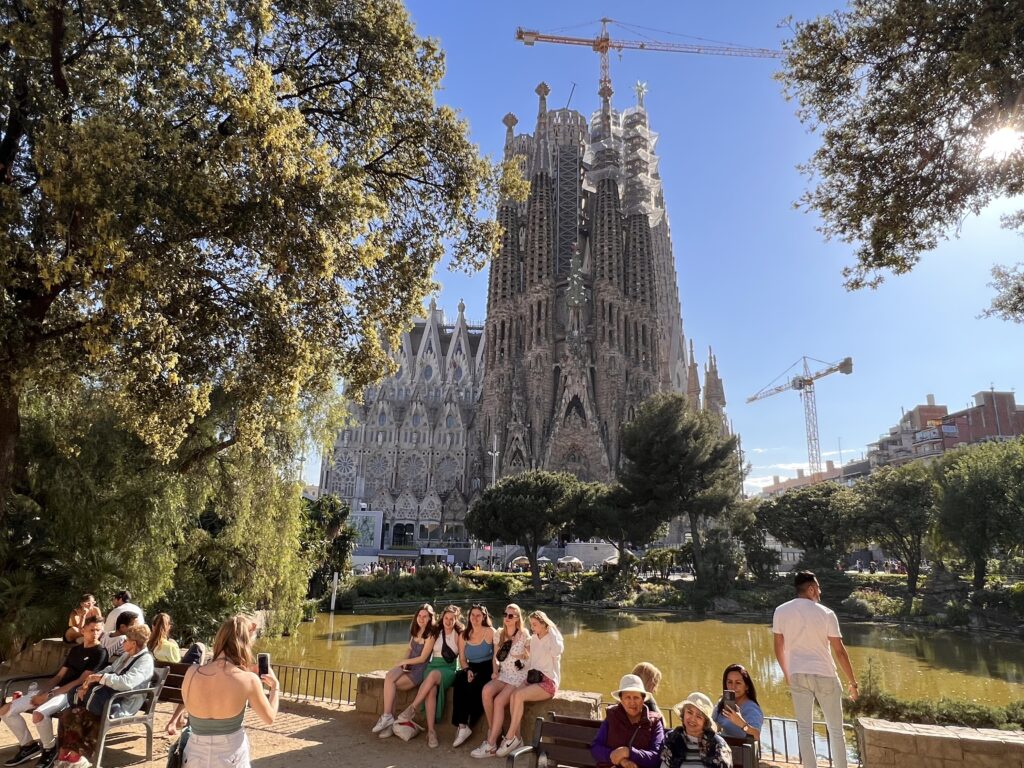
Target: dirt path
{"x":302,"y":736}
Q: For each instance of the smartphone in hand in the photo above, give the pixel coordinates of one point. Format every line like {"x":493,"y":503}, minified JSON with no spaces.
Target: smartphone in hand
{"x":263,"y":663}
{"x":729,"y":700}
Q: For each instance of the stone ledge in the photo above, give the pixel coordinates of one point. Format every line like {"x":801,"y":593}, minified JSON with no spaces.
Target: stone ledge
{"x":885,"y":743}
{"x":370,"y":700}
{"x":43,"y":657}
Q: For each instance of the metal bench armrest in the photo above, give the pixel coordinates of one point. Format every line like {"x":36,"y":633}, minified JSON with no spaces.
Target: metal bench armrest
{"x":7,"y":682}
{"x":510,"y":759}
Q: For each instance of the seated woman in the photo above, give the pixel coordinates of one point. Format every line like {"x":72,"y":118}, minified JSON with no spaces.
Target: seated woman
{"x":476,"y":656}
{"x":746,"y":719}
{"x":511,"y":650}
{"x":651,"y":676}
{"x":76,"y":619}
{"x":695,"y":743}
{"x":160,"y":643}
{"x":631,"y":734}
{"x":80,"y":725}
{"x":409,"y":672}
{"x":546,"y":646}
{"x":440,"y":672}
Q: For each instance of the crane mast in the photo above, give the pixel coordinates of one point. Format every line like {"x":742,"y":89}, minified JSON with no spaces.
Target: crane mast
{"x":804,"y":384}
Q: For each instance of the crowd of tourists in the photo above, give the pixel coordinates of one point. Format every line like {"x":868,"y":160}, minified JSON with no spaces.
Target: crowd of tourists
{"x":117,"y":654}
{"x":486,"y":669}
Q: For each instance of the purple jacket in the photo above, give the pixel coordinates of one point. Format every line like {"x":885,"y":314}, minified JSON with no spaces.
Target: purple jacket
{"x":643,"y":739}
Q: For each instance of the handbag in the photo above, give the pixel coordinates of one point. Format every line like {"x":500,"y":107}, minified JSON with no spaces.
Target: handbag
{"x":503,"y":651}
{"x":447,"y":653}
{"x":176,"y":754}
{"x":98,"y":698}
{"x":534,"y":676}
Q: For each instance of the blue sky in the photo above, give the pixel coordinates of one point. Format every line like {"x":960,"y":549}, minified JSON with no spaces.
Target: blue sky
{"x":757,"y":281}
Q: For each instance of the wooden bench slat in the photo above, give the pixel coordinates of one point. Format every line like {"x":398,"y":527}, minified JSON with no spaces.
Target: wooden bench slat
{"x":568,"y":732}
{"x":562,"y":754}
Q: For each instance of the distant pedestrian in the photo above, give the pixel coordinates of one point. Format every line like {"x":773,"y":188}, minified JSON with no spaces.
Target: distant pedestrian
{"x":806,"y":637}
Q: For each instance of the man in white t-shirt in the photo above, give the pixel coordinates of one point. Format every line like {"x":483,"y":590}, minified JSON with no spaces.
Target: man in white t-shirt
{"x":806,"y":637}
{"x":122,"y":602}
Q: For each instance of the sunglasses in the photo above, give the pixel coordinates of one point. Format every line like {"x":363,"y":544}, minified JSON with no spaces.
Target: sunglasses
{"x":511,"y":616}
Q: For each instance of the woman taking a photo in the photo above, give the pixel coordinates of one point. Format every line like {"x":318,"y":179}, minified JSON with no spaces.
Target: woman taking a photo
{"x":511,"y":651}
{"x":631,"y":734}
{"x":409,"y":671}
{"x":476,"y":657}
{"x":440,"y":672}
{"x":216,"y":695}
{"x":542,"y":676}
{"x":695,"y":741}
{"x":745,"y":719}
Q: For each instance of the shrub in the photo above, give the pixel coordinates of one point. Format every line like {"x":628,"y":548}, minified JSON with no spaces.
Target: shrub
{"x":868,"y":602}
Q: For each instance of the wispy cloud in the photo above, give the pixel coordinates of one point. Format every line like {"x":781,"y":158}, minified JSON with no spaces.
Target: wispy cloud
{"x":785,"y":467}
{"x":759,"y":482}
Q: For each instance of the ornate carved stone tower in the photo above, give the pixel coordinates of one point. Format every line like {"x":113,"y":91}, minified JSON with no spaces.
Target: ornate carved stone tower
{"x":583,"y":316}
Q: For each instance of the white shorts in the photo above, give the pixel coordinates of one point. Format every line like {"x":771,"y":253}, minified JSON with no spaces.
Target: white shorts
{"x":230,"y":751}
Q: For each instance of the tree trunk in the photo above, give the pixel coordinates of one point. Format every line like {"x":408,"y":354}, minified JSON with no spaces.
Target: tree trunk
{"x":913,"y":571}
{"x":621,"y":546}
{"x":980,"y":565}
{"x":531,"y":554}
{"x":10,"y":430}
{"x":698,"y":558}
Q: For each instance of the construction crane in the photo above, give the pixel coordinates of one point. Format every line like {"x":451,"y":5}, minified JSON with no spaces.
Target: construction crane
{"x":804,"y":384}
{"x":604,"y":43}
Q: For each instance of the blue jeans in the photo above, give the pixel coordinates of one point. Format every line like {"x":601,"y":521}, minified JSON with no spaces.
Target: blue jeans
{"x":828,"y":692}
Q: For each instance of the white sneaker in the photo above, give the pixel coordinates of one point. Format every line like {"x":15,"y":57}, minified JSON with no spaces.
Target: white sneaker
{"x":509,"y":745}
{"x":462,"y":735}
{"x":385,"y":722}
{"x":484,"y":750}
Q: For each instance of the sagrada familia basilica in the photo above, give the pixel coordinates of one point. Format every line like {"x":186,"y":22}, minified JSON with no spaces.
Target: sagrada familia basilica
{"x":583,"y":323}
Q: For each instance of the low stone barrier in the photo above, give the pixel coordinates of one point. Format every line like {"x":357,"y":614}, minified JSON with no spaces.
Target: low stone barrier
{"x":43,"y":657}
{"x":883,"y":743}
{"x":370,"y":699}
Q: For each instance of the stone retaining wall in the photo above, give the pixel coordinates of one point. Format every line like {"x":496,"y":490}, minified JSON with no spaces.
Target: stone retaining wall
{"x":43,"y":657}
{"x":883,"y":744}
{"x":370,"y":699}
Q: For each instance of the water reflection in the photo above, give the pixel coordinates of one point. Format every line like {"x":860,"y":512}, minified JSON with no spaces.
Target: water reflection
{"x":603,"y":645}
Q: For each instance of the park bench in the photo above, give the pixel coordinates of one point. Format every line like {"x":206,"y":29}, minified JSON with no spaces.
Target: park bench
{"x":171,"y":692}
{"x":565,"y":741}
{"x":10,"y":684}
{"x":145,"y":715}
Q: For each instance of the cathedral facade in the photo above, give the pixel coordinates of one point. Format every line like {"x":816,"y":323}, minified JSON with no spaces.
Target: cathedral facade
{"x":583,"y":323}
{"x":583,"y":313}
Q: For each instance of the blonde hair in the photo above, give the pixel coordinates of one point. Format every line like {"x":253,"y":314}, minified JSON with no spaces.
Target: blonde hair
{"x":650,"y":674}
{"x":138,"y":634}
{"x":161,"y":631}
{"x":234,"y":641}
{"x":523,"y":626}
{"x":543,"y":619}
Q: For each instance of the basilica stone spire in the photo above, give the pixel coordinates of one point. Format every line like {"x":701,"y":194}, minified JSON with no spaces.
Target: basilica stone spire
{"x":583,"y":313}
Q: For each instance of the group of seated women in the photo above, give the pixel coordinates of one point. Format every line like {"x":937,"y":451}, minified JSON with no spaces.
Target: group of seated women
{"x":633,"y":733}
{"x":487,"y":670}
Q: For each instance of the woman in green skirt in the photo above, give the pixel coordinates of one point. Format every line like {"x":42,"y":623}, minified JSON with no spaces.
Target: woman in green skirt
{"x":440,"y":672}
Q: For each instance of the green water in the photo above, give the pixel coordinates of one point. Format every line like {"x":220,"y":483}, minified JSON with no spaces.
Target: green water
{"x":601,"y":646}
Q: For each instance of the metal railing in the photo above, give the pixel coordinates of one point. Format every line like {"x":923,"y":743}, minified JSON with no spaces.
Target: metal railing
{"x":331,"y":686}
{"x":779,"y":742}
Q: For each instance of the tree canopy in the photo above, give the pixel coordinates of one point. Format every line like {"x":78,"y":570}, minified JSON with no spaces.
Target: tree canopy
{"x":905,"y":95}
{"x":231,"y":199}
{"x":527,"y":509}
{"x":814,"y":518}
{"x":896,"y":507}
{"x":676,"y":461}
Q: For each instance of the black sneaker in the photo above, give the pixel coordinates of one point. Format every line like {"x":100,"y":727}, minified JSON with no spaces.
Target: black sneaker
{"x":47,"y":757}
{"x":24,"y":754}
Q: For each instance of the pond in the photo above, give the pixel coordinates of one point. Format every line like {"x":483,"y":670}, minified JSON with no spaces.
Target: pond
{"x":601,"y":646}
